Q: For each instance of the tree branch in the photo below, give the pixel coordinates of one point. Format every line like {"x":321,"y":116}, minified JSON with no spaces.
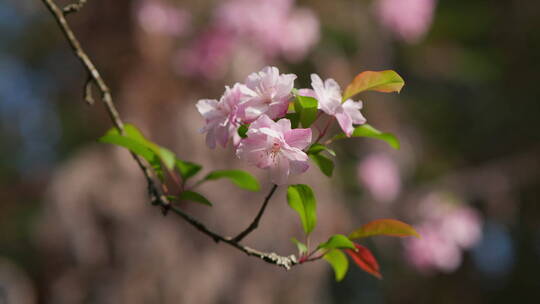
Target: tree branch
{"x":156,"y":195}
{"x":257,"y":218}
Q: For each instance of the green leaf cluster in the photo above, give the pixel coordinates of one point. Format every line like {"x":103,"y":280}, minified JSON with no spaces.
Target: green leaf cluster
{"x":163,"y":160}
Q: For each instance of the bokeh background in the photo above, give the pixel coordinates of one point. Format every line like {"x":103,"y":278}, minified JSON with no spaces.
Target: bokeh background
{"x":75,"y":223}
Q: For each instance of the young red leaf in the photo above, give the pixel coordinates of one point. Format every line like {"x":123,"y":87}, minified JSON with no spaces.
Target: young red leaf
{"x":388,"y":227}
{"x":365,"y":260}
{"x":381,"y":81}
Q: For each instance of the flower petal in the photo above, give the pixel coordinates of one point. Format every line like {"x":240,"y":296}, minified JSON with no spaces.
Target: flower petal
{"x":328,"y":94}
{"x":345,"y":121}
{"x":284,"y":124}
{"x":294,"y":154}
{"x":352,"y":109}
{"x":254,"y":150}
{"x":279,"y":170}
{"x":298,"y":167}
{"x":307,"y":92}
{"x":298,"y":138}
{"x":206,"y":107}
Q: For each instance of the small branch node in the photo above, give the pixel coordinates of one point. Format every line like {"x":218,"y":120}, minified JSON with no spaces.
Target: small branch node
{"x":88,"y":91}
{"x":73,"y":7}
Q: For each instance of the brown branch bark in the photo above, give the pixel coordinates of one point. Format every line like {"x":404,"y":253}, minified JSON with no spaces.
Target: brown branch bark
{"x":156,"y":195}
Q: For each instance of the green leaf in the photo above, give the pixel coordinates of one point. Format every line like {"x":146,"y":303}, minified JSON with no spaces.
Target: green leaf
{"x":324,"y":163}
{"x":381,"y":81}
{"x":369,"y":131}
{"x":301,"y":198}
{"x":388,"y":227}
{"x":302,"y":248}
{"x":294,"y":118}
{"x":167,"y":157}
{"x":132,"y":133}
{"x":194,"y":197}
{"x":307,"y":108}
{"x":339,"y":263}
{"x":242,"y":130}
{"x":318,"y":148}
{"x":241,"y":178}
{"x":337,"y":241}
{"x":187,"y":169}
{"x":129,"y":143}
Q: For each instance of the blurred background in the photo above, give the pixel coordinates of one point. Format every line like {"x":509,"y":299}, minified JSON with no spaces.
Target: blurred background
{"x":75,"y":223}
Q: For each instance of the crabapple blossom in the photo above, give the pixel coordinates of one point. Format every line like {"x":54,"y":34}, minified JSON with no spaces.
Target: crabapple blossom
{"x":275,"y":146}
{"x":223,"y":117}
{"x":408,"y":20}
{"x":328,"y":93}
{"x":379,"y":173}
{"x":447,"y":230}
{"x":270,"y":93}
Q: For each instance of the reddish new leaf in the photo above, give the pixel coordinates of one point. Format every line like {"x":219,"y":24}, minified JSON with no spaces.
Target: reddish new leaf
{"x":365,"y":260}
{"x":381,"y":81}
{"x":388,"y":227}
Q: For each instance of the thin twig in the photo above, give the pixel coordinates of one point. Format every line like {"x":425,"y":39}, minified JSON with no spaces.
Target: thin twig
{"x":156,"y":195}
{"x":283,"y":261}
{"x":323,"y":133}
{"x":257,"y":218}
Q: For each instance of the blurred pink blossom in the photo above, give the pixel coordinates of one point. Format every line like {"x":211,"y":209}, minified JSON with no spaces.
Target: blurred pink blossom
{"x":208,"y":54}
{"x":409,"y":20}
{"x":159,"y":18}
{"x":432,"y":251}
{"x":380,"y":175}
{"x":300,"y":33}
{"x":274,"y":25}
{"x":447,"y":230}
{"x":270,"y":28}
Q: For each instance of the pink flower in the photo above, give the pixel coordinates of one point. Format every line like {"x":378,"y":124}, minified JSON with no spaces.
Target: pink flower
{"x":380,"y":175}
{"x":156,"y":17}
{"x":275,"y":146}
{"x":302,"y":33}
{"x":223,"y":117}
{"x":409,"y":20}
{"x":329,"y":96}
{"x":270,"y":93}
{"x":433,"y":251}
{"x":447,"y":230}
{"x":207,"y":56}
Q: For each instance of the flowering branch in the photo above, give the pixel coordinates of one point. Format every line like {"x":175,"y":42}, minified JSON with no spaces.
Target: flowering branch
{"x":257,"y":117}
{"x":157,"y":196}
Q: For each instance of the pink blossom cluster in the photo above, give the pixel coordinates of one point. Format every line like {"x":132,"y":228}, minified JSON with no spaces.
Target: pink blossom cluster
{"x":261,"y":103}
{"x":274,"y":25}
{"x":447,"y":230}
{"x":408,"y":20}
{"x":266,"y":29}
